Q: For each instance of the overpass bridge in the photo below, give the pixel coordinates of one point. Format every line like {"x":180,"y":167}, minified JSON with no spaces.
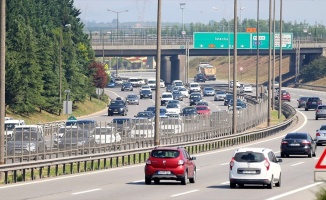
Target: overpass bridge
{"x":173,"y":51}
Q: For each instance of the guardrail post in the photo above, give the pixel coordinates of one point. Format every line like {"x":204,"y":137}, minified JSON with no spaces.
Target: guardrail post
{"x":48,"y":171}
{"x":78,"y":167}
{"x":56,"y":169}
{"x":40,"y":172}
{"x":6,"y":177}
{"x":85,"y":166}
{"x":71,"y":168}
{"x":15,"y":176}
{"x":99,"y":164}
{"x":32,"y":173}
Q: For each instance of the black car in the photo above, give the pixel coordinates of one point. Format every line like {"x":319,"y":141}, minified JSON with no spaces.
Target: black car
{"x":312,"y":103}
{"x":169,"y":88}
{"x":117,"y":107}
{"x":200,"y":78}
{"x":227,"y":99}
{"x":189,"y":113}
{"x":127,"y":86}
{"x":194,"y":98}
{"x":177,"y":95}
{"x":146,"y":94}
{"x":123,"y":125}
{"x":298,"y":144}
{"x":145,"y":114}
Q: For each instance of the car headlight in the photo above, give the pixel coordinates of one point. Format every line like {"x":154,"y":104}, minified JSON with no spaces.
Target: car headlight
{"x":121,"y":108}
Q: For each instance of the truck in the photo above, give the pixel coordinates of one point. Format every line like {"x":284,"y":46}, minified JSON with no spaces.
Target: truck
{"x":208,"y":70}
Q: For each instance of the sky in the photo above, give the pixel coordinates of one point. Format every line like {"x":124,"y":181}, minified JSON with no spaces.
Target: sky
{"x":145,"y":11}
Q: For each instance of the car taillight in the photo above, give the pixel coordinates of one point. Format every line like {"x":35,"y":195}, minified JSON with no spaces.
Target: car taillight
{"x":284,"y":142}
{"x":181,"y":162}
{"x":267,"y":164}
{"x":317,"y":134}
{"x":231,"y":163}
{"x":305,"y":142}
{"x":148,"y":162}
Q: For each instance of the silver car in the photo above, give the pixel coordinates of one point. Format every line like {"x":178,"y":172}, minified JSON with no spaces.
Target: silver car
{"x":320,"y":112}
{"x":132,"y":99}
{"x":321,"y":135}
{"x":219,"y":95}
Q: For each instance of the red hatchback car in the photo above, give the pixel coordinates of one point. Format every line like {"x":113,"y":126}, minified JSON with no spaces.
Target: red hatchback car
{"x":170,"y":163}
{"x":286,"y":96}
{"x":203,"y":110}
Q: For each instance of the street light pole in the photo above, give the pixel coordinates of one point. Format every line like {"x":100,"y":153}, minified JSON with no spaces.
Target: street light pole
{"x":257,"y":59}
{"x":182,"y":6}
{"x":241,"y":8}
{"x":229,"y":69}
{"x":117,"y":12}
{"x":60,"y":61}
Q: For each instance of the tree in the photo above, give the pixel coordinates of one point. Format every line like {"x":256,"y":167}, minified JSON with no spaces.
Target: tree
{"x":100,"y":78}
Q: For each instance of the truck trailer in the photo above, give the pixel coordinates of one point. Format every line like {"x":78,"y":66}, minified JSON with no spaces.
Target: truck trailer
{"x":208,"y":70}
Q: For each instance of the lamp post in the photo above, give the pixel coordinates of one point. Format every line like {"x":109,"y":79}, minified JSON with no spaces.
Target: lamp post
{"x":117,"y":12}
{"x":229,"y":69}
{"x":60,"y":61}
{"x":182,"y":6}
{"x":241,"y":8}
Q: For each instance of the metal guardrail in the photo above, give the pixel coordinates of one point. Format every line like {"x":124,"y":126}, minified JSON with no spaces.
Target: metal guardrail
{"x":309,"y":87}
{"x":204,"y":140}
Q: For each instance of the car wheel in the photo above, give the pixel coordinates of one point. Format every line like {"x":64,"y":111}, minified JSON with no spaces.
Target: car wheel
{"x":157,"y":181}
{"x":282,"y":155}
{"x":316,"y":118}
{"x":184,"y":179}
{"x":310,"y":154}
{"x":318,"y":144}
{"x":306,"y":109}
{"x":314,"y":154}
{"x":148,"y":181}
{"x":278,"y":184}
{"x":271,"y":184}
{"x":193,"y":179}
{"x":232,"y":185}
{"x":241,"y":185}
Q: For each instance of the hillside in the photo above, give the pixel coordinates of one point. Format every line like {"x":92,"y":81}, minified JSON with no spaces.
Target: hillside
{"x":248,"y":63}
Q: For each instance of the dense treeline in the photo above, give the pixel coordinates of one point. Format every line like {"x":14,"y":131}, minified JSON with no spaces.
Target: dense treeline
{"x":37,"y":33}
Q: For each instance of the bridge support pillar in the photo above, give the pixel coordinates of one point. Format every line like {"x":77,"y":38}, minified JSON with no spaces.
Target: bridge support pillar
{"x":166,"y":69}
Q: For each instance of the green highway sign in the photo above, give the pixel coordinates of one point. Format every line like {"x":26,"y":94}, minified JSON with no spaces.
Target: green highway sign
{"x":213,"y":40}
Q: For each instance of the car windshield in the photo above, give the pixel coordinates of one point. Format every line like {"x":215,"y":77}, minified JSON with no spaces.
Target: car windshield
{"x":24,"y":136}
{"x":172,"y":105}
{"x":209,"y":89}
{"x":201,"y":108}
{"x":142,"y":127}
{"x":132,"y":96}
{"x":174,"y":101}
{"x":75,"y":134}
{"x":220,"y":92}
{"x":127,"y":84}
{"x":146,"y":91}
{"x":10,"y":127}
{"x":194,"y":85}
{"x":165,"y":154}
{"x":189,"y":110}
{"x":166,"y":96}
{"x":152,"y":109}
{"x":151,"y":82}
{"x":178,"y":83}
{"x":182,"y":89}
{"x":176,"y":92}
{"x":104,"y":130}
{"x":249,"y":157}
{"x":120,"y":121}
{"x":143,"y":114}
{"x":296,"y":136}
{"x":117,"y":103}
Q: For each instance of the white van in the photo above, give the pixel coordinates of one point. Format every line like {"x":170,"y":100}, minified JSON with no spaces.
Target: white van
{"x":136,"y":82}
{"x":151,"y":83}
{"x":10,"y":126}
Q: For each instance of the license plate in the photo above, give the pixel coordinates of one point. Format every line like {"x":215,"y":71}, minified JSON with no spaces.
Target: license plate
{"x":115,"y":112}
{"x":249,"y":172}
{"x":295,"y":145}
{"x":314,"y":103}
{"x":163,"y":172}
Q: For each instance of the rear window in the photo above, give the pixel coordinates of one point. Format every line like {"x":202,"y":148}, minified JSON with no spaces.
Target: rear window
{"x":313,"y":99}
{"x":165,"y":154}
{"x":323,"y":127}
{"x":321,"y":107}
{"x":249,"y":157}
{"x":296,"y":136}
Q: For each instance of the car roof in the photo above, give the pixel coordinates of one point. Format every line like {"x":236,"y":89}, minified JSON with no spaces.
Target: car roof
{"x":168,"y":148}
{"x":254,"y":149}
{"x":9,"y":121}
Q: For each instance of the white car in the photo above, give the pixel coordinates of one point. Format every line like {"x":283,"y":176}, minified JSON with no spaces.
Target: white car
{"x":177,"y":83}
{"x":194,"y":87}
{"x":151,"y":83}
{"x":321,"y":135}
{"x":166,"y":96}
{"x":162,"y":84}
{"x":246,"y":88}
{"x":144,"y":87}
{"x":173,"y":108}
{"x":171,"y":125}
{"x":184,"y":92}
{"x":104,"y":135}
{"x":174,"y":101}
{"x":142,"y":130}
{"x":255,"y":166}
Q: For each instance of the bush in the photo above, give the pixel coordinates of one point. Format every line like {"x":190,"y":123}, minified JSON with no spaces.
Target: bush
{"x":321,"y":194}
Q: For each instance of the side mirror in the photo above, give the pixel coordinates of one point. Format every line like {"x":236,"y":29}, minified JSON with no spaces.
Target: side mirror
{"x":192,"y":158}
{"x":280,"y":160}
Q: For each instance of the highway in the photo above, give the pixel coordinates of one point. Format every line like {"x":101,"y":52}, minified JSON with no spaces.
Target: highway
{"x":212,"y":175}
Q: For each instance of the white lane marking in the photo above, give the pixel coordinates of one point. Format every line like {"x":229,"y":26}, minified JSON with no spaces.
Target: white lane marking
{"x":191,"y":191}
{"x":86,"y":191}
{"x":138,"y":181}
{"x":225,"y":183}
{"x":282,"y":136}
{"x":317,"y":158}
{"x":297,"y":164}
{"x":277,"y":151}
{"x":224,"y":163}
{"x":294,"y":191}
